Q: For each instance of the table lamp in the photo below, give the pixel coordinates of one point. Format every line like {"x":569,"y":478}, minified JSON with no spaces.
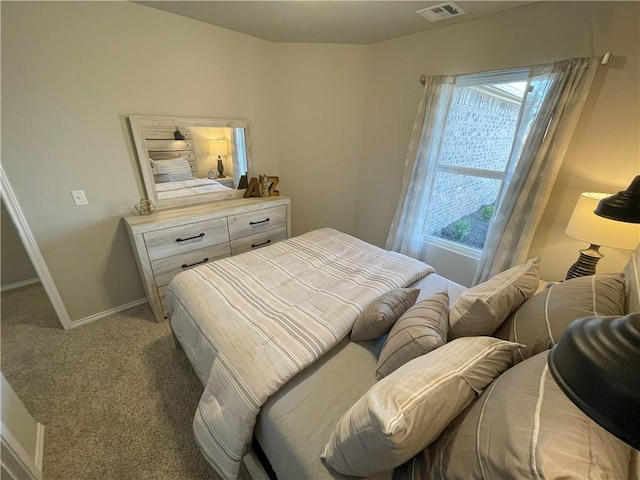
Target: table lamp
{"x":598,"y":231}
{"x":219,"y":147}
{"x":596,"y":362}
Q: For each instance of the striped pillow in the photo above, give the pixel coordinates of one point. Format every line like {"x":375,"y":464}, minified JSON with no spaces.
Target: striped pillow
{"x":419,"y":330}
{"x":406,"y":411}
{"x":524,"y":426}
{"x":178,"y":168}
{"x":482,"y":309}
{"x":540,"y":321}
{"x":377,"y":318}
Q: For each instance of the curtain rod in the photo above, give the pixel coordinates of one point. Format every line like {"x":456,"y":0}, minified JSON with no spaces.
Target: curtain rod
{"x":606,"y":58}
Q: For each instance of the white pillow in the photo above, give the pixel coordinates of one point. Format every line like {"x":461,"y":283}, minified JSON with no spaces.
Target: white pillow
{"x":178,"y":168}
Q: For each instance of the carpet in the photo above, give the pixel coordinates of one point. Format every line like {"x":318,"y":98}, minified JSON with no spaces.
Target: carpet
{"x":116,"y":398}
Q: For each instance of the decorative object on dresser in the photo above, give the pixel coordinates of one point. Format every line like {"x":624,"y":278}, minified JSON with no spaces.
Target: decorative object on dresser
{"x":169,"y":241}
{"x":263,"y":186}
{"x":598,"y":231}
{"x":252,"y":190}
{"x":243,"y":183}
{"x":273,"y":183}
{"x":219,"y":147}
{"x":145,"y":207}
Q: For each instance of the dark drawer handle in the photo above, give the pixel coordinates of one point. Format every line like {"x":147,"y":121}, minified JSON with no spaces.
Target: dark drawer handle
{"x":258,"y":223}
{"x":184,"y":265}
{"x":190,"y":238}
{"x":256,"y":245}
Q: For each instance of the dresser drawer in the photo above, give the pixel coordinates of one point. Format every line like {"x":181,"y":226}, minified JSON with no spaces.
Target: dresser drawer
{"x":185,"y":238}
{"x":164,"y":269}
{"x":258,"y":240}
{"x":258,"y":221}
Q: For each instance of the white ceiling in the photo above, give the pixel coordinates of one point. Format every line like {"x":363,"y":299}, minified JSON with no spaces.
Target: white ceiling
{"x":309,"y":21}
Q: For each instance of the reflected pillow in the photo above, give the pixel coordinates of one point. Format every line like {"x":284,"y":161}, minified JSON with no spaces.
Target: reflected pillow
{"x":162,"y":178}
{"x":406,"y":411}
{"x":177,"y":168}
{"x":480,"y":310}
{"x":421,"y":329}
{"x":377,"y":318}
{"x":541,"y":320}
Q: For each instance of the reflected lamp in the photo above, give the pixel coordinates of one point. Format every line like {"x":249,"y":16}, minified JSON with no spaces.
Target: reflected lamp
{"x":219,"y":148}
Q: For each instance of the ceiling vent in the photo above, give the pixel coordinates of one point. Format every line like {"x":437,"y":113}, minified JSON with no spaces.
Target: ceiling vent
{"x":441,"y":11}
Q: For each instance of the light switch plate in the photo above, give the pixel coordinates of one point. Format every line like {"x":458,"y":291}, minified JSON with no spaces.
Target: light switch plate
{"x":79,"y":197}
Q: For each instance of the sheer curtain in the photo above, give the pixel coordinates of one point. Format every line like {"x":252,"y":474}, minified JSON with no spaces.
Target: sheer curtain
{"x":240,"y":152}
{"x":550,"y":117}
{"x":406,"y":233}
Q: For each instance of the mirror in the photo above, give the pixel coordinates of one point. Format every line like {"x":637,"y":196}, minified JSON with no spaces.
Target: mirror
{"x":190,"y":160}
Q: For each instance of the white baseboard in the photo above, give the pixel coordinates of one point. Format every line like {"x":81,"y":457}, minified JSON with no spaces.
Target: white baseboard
{"x":106,"y":313}
{"x":24,"y":283}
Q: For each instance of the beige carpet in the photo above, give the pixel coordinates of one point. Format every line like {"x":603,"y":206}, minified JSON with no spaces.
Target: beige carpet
{"x":115,"y":396}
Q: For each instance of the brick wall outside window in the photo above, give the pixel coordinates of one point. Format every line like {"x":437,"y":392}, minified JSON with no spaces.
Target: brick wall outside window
{"x":479,"y":134}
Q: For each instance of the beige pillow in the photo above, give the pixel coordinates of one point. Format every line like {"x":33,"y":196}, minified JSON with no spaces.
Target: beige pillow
{"x":406,"y":411}
{"x":481,"y":309}
{"x":177,"y":168}
{"x":524,"y":426}
{"x":382,"y":313}
{"x":541,"y":320}
{"x":419,"y":330}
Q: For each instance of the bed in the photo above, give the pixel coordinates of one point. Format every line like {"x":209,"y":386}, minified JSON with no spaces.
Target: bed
{"x":194,"y":186}
{"x":267,"y":333}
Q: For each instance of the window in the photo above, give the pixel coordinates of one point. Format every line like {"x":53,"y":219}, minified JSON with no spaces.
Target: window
{"x":475,"y":155}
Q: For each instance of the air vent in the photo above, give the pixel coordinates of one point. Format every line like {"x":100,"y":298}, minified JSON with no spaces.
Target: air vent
{"x":441,"y":12}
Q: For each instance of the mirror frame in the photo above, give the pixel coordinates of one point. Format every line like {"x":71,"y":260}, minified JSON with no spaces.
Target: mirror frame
{"x":138,"y":122}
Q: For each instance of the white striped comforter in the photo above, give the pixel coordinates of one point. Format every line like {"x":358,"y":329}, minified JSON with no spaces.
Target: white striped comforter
{"x":271,"y":313}
{"x":195,"y":186}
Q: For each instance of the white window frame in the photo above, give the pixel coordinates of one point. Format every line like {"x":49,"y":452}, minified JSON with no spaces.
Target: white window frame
{"x":483,"y":83}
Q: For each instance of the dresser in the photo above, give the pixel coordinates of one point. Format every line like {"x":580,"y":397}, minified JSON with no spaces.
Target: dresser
{"x":168,"y":242}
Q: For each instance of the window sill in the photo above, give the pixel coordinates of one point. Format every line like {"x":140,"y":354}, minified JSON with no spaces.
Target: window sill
{"x":453,"y":247}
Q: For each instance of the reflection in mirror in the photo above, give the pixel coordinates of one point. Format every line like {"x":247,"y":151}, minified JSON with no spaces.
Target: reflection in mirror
{"x":190,"y":160}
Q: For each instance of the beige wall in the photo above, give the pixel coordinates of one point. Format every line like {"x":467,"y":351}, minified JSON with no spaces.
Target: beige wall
{"x":72,"y":71}
{"x":15,"y":266}
{"x":321,"y":92}
{"x":333,"y":121}
{"x":603,"y":156}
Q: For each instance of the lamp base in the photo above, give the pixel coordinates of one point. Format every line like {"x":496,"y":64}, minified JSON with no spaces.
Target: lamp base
{"x":220,"y":168}
{"x":586,"y":263}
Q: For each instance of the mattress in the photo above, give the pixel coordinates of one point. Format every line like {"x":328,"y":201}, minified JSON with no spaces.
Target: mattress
{"x":295,"y":424}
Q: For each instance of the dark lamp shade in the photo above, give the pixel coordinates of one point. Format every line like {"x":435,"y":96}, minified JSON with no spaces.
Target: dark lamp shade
{"x":624,"y":206}
{"x":596,"y":363}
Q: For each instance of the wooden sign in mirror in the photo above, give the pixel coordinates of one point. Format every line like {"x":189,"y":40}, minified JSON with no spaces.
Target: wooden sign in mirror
{"x":178,"y":164}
